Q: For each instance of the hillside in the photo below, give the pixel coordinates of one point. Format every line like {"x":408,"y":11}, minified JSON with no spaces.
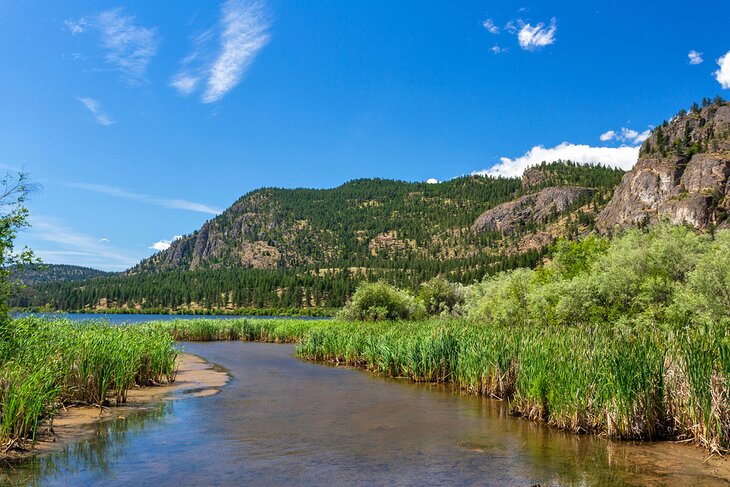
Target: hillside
{"x":293,"y":248}
{"x":45,"y":273}
{"x":365,"y":221}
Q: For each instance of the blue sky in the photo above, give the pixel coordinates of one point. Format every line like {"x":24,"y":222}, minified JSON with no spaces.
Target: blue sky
{"x":142,"y":120}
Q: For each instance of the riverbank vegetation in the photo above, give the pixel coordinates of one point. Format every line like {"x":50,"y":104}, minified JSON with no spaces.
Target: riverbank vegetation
{"x":627,"y":337}
{"x":46,"y":365}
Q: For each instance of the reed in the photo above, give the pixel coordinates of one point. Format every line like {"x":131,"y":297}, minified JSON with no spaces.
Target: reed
{"x":623,"y":381}
{"x":47,"y":364}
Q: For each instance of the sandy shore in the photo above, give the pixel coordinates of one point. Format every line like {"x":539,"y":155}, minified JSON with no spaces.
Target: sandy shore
{"x":195,"y":377}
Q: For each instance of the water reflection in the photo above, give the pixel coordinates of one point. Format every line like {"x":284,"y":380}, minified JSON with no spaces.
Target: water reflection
{"x":283,"y":421}
{"x":105,"y":446}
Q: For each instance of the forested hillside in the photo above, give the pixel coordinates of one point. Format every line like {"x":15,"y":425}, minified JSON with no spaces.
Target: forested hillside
{"x":291,"y":248}
{"x":38,"y":274}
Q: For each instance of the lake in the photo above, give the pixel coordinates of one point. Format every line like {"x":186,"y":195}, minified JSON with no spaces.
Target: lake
{"x":282,"y":421}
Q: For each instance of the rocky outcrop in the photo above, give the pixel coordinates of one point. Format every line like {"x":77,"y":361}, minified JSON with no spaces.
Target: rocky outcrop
{"x":534,"y":177}
{"x":539,"y":207}
{"x":682,"y":175}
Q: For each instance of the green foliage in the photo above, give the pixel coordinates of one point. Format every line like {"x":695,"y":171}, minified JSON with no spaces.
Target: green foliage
{"x":46,"y":364}
{"x":330,"y":240}
{"x":380,"y":301}
{"x":641,"y":275}
{"x":441,"y":297}
{"x":13,"y":192}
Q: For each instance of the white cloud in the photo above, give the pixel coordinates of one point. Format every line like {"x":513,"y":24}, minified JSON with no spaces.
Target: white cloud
{"x":128,"y":47}
{"x":496,"y":49}
{"x":532,"y":38}
{"x":164,"y":244}
{"x":626,"y":135}
{"x":184,"y":83}
{"x":695,"y":57}
{"x":511,"y":26}
{"x":623,"y":157}
{"x":73,"y":247}
{"x":76,"y":26}
{"x":642,"y":136}
{"x":242,"y":32}
{"x":176,"y":204}
{"x":432,"y":181}
{"x":161,"y":245}
{"x":608,"y":135}
{"x":104,"y":240}
{"x":491,"y":28}
{"x":722,"y":75}
{"x":95,"y":108}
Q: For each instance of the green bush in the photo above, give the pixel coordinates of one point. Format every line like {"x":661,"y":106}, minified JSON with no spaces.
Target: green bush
{"x":441,"y":297}
{"x":380,"y":301}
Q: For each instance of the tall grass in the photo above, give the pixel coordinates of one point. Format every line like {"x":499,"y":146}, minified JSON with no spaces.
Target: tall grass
{"x":47,"y":364}
{"x":624,"y":381}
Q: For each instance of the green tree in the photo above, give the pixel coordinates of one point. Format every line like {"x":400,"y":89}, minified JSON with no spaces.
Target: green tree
{"x":14,"y":189}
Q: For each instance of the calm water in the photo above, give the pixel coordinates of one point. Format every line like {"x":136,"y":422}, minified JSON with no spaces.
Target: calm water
{"x":281,"y":421}
{"x":120,"y":319}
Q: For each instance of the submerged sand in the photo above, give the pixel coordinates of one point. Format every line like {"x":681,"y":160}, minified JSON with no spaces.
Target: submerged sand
{"x":195,"y":377}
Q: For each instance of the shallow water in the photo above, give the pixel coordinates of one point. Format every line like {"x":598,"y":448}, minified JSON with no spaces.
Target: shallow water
{"x":284,"y":421}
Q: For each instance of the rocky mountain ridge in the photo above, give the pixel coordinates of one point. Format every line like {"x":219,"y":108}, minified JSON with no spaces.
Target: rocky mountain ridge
{"x":682,"y":175}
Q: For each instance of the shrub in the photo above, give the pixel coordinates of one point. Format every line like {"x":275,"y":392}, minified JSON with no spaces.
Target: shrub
{"x":441,"y":297}
{"x":380,"y":301}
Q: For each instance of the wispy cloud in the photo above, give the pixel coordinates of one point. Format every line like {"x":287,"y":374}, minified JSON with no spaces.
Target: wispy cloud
{"x":623,"y":157}
{"x":241,"y":33}
{"x":532,"y":38}
{"x":95,"y":108}
{"x":73,"y":247}
{"x":608,"y":135}
{"x":497,"y":49}
{"x":76,"y":26}
{"x":175,"y":204}
{"x":490,"y":26}
{"x":626,"y":135}
{"x":695,"y":57}
{"x":128,"y":47}
{"x":722,"y":75}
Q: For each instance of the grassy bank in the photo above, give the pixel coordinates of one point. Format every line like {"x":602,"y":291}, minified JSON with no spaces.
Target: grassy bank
{"x":623,"y":382}
{"x":49,"y":364}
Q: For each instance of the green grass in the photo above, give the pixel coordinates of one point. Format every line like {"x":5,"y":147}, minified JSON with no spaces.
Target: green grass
{"x":47,"y":364}
{"x":621,"y":381}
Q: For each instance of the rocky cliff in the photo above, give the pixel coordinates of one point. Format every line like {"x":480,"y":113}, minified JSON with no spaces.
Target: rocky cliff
{"x":538,"y":207}
{"x":682,"y":175}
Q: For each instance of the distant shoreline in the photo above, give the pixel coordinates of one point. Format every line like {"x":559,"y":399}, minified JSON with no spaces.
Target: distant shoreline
{"x":242,"y":312}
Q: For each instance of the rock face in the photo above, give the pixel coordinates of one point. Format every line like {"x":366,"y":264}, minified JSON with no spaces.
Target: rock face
{"x":682,"y":175}
{"x":238,"y":236}
{"x":539,"y":207}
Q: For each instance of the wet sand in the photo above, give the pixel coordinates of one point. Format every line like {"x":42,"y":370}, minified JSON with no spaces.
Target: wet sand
{"x":195,"y":377}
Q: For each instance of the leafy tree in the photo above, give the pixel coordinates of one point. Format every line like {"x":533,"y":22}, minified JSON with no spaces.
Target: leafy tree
{"x":380,"y":301}
{"x":13,"y":217}
{"x":440,"y":296}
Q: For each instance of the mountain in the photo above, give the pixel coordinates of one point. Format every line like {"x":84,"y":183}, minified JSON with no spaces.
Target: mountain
{"x":32,"y":275}
{"x":682,"y":175}
{"x":305,"y":248}
{"x":365,"y":221}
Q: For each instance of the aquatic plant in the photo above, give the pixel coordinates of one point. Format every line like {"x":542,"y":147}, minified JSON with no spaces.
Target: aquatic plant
{"x":48,"y":364}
